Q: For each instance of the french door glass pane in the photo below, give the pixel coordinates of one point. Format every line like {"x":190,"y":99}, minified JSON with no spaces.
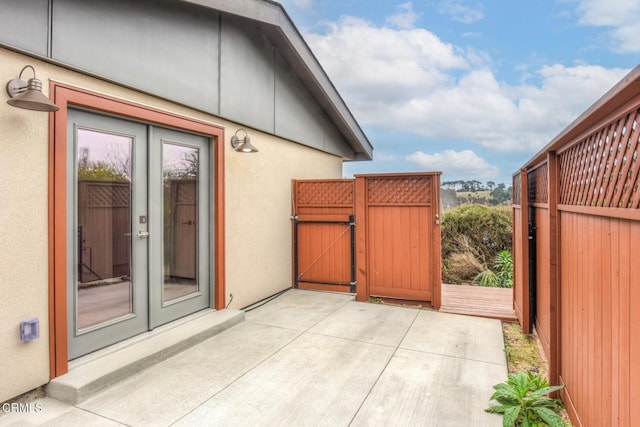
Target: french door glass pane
{"x":104,"y":287}
{"x":180,"y":173}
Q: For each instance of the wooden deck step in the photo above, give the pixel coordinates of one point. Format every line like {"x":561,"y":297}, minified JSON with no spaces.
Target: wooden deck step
{"x":494,"y":303}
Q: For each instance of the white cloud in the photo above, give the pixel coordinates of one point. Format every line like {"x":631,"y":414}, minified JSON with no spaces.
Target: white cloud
{"x":405,"y":17}
{"x":381,"y":65}
{"x":409,"y":80}
{"x":461,"y":12}
{"x":455,"y":164}
{"x":621,"y":16}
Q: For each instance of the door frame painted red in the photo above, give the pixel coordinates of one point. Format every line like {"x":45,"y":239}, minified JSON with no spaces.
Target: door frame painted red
{"x":64,"y":95}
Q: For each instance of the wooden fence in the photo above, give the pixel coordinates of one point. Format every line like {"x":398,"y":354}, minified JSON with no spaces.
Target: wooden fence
{"x":576,"y":208}
{"x":377,"y":235}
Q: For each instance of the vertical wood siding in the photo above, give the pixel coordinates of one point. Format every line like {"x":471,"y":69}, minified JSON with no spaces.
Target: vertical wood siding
{"x":600,"y":317}
{"x":399,"y":248}
{"x":587,"y":213}
{"x":400,"y":227}
{"x":324,"y":249}
{"x":397,"y":235}
{"x":543,"y":314}
{"x":518,"y":262}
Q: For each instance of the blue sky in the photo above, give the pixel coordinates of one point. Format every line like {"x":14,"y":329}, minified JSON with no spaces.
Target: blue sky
{"x":470,"y":88}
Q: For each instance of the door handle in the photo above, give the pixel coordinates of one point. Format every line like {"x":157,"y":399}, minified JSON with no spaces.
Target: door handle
{"x":143,"y":234}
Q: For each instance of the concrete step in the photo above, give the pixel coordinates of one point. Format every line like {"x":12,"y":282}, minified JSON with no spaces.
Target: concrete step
{"x":93,"y":373}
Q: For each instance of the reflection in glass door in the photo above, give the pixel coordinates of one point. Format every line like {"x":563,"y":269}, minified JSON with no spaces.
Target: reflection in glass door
{"x":107,"y":261}
{"x":139,"y":246}
{"x":180,"y":242}
{"x":105,"y":290}
{"x":180,"y":173}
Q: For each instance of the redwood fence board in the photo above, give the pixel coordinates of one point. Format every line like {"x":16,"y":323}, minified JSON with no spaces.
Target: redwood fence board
{"x":394,"y":251}
{"x":584,"y":195}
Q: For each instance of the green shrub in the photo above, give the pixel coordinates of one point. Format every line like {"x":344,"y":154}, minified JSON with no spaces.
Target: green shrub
{"x":523,"y":401}
{"x":502,"y":277}
{"x":477,"y":231}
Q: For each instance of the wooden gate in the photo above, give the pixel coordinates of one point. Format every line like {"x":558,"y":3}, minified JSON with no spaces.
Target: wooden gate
{"x":324,"y":238}
{"x":377,"y":235}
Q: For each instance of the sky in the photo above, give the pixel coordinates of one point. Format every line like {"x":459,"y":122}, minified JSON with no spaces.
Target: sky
{"x":471,"y":88}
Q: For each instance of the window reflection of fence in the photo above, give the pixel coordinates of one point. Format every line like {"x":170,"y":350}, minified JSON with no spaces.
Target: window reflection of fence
{"x":104,"y":228}
{"x":180,"y":227}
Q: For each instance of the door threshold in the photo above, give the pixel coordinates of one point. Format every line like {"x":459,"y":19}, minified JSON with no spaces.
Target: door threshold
{"x":91,"y":374}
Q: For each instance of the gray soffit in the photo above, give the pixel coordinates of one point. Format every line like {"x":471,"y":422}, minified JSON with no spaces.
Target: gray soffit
{"x":278,"y":26}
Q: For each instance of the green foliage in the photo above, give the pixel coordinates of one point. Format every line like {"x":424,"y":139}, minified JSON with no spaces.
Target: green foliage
{"x":500,"y":194}
{"x":488,"y":279}
{"x":100,"y":171}
{"x":503,"y":275}
{"x":523,"y":401}
{"x":504,"y":265}
{"x":472,"y":237}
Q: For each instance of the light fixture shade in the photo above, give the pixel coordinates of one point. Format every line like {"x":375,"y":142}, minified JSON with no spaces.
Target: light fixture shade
{"x":244,"y":145}
{"x":29,"y":97}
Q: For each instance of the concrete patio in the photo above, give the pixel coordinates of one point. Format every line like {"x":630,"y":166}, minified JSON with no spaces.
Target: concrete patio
{"x":309,"y":358}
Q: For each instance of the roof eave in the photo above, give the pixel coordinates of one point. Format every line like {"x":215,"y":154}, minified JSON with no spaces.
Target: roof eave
{"x":291,"y":45}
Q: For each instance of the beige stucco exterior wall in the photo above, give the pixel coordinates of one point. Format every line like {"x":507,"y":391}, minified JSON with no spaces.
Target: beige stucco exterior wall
{"x":258,"y":227}
{"x":259,"y":233}
{"x":23,"y":239}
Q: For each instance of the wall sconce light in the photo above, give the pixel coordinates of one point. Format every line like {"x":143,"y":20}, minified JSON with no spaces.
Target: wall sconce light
{"x":29,"y":95}
{"x":242,"y":145}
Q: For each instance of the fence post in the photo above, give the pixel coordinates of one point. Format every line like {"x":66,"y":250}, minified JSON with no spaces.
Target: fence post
{"x":437,"y":243}
{"x":554,"y":269}
{"x":362,"y":287}
{"x":524,"y":250}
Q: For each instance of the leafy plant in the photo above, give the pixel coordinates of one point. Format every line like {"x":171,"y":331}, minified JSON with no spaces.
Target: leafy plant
{"x":503,"y":278}
{"x":523,"y":401}
{"x":504,"y":265}
{"x":472,"y":235}
{"x":487,"y":278}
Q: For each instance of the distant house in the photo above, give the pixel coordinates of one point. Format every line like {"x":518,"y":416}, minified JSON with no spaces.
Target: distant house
{"x":129,"y":208}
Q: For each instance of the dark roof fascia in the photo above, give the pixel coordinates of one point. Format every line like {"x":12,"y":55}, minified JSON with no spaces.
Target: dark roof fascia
{"x":617,"y":96}
{"x":274,"y":20}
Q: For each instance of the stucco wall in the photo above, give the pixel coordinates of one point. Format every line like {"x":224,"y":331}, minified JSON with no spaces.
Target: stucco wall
{"x":258,"y":228}
{"x":259,"y":256}
{"x":23,"y":239}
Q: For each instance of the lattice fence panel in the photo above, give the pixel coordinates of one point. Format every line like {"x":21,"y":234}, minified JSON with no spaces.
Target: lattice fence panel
{"x":517,"y":190}
{"x":187,"y":191}
{"x":325,"y":192}
{"x":399,"y":190}
{"x":108,"y":195}
{"x":538,"y":180}
{"x":603,"y":168}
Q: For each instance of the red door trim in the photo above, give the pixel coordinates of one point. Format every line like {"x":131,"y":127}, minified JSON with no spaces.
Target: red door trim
{"x":64,"y":96}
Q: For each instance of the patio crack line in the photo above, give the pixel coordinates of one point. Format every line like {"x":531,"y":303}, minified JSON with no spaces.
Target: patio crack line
{"x":353,"y":339}
{"x":452,"y":356}
{"x":98,"y":415}
{"x":383,"y":369}
{"x":260,"y":363}
{"x":329,"y":314}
